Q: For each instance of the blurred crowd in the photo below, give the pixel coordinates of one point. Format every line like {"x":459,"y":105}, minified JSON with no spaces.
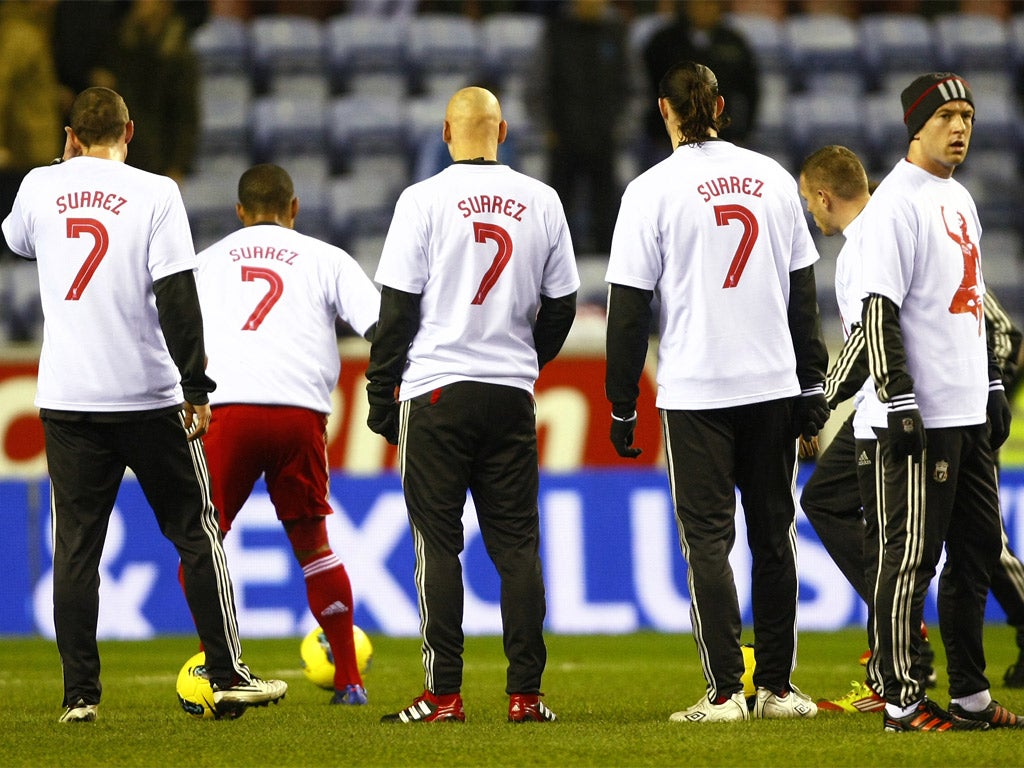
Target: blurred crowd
{"x":52,"y":49}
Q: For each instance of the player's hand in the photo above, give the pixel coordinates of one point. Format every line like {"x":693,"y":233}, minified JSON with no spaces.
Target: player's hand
{"x":197,"y":420}
{"x":810,"y":412}
{"x":906,"y":434}
{"x":999,"y":417}
{"x":622,"y":436}
{"x":383,"y":419}
{"x":808,"y":449}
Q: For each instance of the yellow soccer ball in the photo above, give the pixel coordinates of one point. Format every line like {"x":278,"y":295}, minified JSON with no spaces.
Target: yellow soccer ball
{"x":748,"y":669}
{"x":194,"y":691}
{"x":318,"y":660}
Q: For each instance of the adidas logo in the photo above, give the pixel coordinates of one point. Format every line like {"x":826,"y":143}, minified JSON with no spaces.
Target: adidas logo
{"x":336,"y":607}
{"x":863,"y":460}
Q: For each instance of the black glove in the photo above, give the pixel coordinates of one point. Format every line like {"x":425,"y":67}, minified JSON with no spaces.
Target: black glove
{"x":906,"y":434}
{"x":622,"y":436}
{"x":810,"y":412}
{"x":998,"y":417}
{"x":383,"y":419}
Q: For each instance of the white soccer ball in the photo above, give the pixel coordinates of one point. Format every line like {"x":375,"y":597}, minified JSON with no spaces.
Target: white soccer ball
{"x":318,"y":660}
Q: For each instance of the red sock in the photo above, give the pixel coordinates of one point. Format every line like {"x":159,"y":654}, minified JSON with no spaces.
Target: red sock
{"x":330,"y":599}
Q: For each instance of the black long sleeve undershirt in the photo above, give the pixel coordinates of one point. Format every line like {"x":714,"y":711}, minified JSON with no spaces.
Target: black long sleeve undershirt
{"x":399,"y":321}
{"x":181,"y":320}
{"x":805,"y":329}
{"x":629,"y":328}
{"x":554,"y":320}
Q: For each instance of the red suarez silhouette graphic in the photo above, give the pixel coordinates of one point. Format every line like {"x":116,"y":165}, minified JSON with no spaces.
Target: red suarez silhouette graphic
{"x":966,"y":299}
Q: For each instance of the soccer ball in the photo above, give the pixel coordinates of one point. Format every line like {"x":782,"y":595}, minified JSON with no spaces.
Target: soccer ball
{"x":748,"y":670}
{"x":194,"y":691}
{"x":318,"y":660}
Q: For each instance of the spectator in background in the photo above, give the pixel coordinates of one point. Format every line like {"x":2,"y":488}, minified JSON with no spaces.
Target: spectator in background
{"x":84,"y":36}
{"x":30,"y":121}
{"x":157,"y":72}
{"x":698,"y":31}
{"x":578,"y":94}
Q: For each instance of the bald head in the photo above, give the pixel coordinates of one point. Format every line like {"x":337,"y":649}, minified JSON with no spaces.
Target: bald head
{"x":473,"y":127}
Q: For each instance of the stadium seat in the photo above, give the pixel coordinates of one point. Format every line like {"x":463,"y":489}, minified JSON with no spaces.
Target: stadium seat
{"x":771,"y":131}
{"x":210,"y":195}
{"x":360,"y":205}
{"x":818,"y":119}
{"x":883,"y":121}
{"x":509,"y":43}
{"x":445,"y":52}
{"x":972,"y":41}
{"x":765,"y":36}
{"x":288,"y":126}
{"x":821,"y":42}
{"x":222,"y":45}
{"x":897,"y":41}
{"x":367,"y":53}
{"x":225,"y":102}
{"x":286,"y":45}
{"x":361,"y":125}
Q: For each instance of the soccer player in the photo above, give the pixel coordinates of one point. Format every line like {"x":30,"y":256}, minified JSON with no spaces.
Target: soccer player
{"x":946,"y":413}
{"x":839,"y":497}
{"x":121,"y":384}
{"x":270,"y":297}
{"x":718,"y":232}
{"x":478,"y":293}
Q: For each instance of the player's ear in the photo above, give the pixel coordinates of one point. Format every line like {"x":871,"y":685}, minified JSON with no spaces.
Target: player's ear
{"x":502,"y":132}
{"x":240,"y":212}
{"x":293,"y":209}
{"x":446,"y":132}
{"x":129,"y":131}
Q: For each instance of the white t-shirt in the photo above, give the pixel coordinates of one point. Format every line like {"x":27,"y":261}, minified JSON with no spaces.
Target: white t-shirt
{"x":716,"y":230}
{"x":102,"y":233}
{"x":481,"y":243}
{"x":270,"y":297}
{"x":919,"y":244}
{"x":850,"y":298}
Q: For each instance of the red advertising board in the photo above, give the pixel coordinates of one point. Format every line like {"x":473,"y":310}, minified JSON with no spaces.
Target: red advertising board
{"x":572,"y":418}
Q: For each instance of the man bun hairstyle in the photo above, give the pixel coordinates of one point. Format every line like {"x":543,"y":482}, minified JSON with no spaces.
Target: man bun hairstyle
{"x":692,"y":90}
{"x":927,"y":93}
{"x":98,"y":116}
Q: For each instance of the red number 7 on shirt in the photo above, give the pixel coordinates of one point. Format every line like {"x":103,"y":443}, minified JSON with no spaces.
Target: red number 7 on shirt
{"x":483,"y":232}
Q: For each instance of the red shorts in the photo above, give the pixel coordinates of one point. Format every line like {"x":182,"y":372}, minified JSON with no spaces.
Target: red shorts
{"x":287,"y":445}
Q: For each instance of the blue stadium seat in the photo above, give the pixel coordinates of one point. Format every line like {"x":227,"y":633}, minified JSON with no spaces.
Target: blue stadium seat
{"x":897,"y":41}
{"x":822,"y":42}
{"x":818,"y":119}
{"x":360,"y":205}
{"x":222,"y":45}
{"x":360,"y":125}
{"x":224,"y":122}
{"x":210,"y":195}
{"x":286,"y":45}
{"x":366,"y":52}
{"x":288,"y":126}
{"x":972,"y":41}
{"x":510,"y":42}
{"x":445,"y":52}
{"x":765,"y":36}
{"x":771,"y":131}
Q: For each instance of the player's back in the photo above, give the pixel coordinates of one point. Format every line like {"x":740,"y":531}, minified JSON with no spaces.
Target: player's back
{"x":270,"y":297}
{"x":724,"y":228}
{"x":481,"y":243}
{"x":102,"y":233}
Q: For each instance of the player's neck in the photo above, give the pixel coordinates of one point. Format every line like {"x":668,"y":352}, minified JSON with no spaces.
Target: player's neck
{"x":106,"y":152}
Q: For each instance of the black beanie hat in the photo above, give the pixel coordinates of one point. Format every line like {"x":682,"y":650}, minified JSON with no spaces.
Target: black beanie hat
{"x":929,"y":92}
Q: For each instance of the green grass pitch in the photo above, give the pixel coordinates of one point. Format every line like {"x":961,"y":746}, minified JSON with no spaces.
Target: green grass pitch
{"x":613,"y":696}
